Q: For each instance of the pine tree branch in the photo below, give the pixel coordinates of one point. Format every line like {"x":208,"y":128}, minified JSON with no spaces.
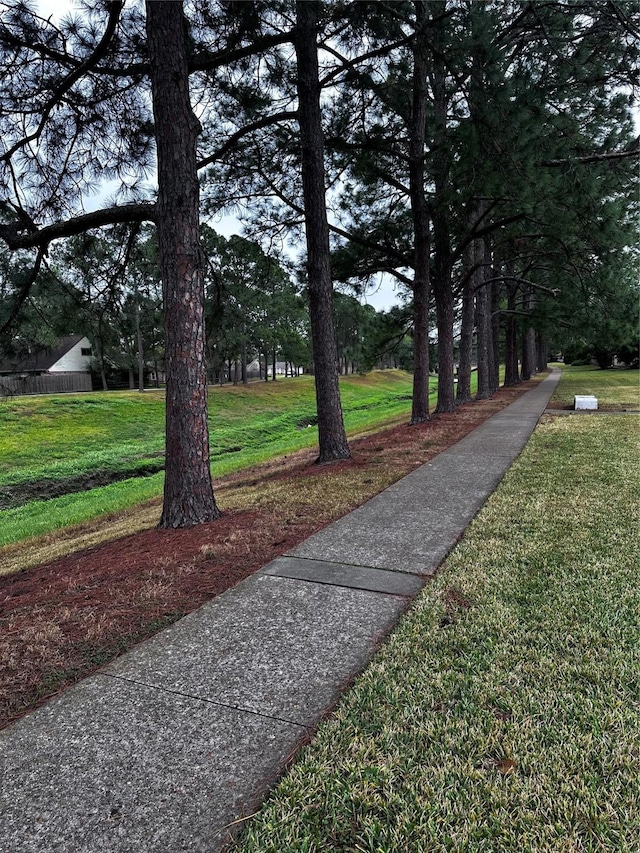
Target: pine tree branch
{"x":476,"y":233}
{"x":338,"y":143}
{"x":115,"y":8}
{"x":335,"y":229}
{"x":401,"y":277}
{"x":245,"y":131}
{"x":15,"y":236}
{"x":205,"y":61}
{"x":551,"y":291}
{"x":23,"y":292}
{"x":370,"y":244}
{"x":347,"y":64}
{"x":209,"y":62}
{"x":513,"y":312}
{"x":632,"y":150}
{"x":10,"y":39}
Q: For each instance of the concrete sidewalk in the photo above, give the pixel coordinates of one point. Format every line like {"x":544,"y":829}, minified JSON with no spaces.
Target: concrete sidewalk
{"x":165,"y":748}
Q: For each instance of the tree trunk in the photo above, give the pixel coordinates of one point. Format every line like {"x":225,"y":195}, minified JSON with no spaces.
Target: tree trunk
{"x":490,"y":347}
{"x":140,"y":345}
{"x":420,"y":218}
{"x":332,"y":437}
{"x":130,"y":376}
{"x":488,"y":306}
{"x":444,"y":313}
{"x":495,"y":329}
{"x":529,"y":353}
{"x":483,"y":324}
{"x":528,"y":341}
{"x":243,"y":356}
{"x":487,"y":369}
{"x":442,"y":265}
{"x":492,"y":354}
{"x":463,"y":390}
{"x":541,"y":351}
{"x":101,"y":361}
{"x":188,"y":491}
{"x":511,"y":374}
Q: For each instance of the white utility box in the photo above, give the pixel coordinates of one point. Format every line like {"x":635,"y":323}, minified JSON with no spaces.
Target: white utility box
{"x":585,"y":401}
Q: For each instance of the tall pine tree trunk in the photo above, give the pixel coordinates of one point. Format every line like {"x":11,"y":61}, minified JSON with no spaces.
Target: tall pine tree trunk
{"x":420,"y":217}
{"x":493,"y":353}
{"x":483,"y":325}
{"x":188,"y":491}
{"x":463,"y":390}
{"x":541,"y":351}
{"x":442,"y":265}
{"x":332,"y":437}
{"x":511,"y":371}
{"x":444,"y":312}
{"x":483,"y":311}
{"x":488,"y":307}
{"x":243,"y":356}
{"x":495,"y":329}
{"x":139,"y":345}
{"x":528,"y":340}
{"x":529,"y":353}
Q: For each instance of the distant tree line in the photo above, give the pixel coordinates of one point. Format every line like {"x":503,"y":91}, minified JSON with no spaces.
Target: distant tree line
{"x":481,"y":154}
{"x":255,"y":311}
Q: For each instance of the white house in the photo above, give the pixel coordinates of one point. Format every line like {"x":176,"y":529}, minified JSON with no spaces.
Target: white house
{"x":69,"y":355}
{"x":72,"y":355}
{"x":63,"y":367}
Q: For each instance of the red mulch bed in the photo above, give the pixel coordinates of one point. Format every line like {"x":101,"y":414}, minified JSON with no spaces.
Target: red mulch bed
{"x":62,"y":620}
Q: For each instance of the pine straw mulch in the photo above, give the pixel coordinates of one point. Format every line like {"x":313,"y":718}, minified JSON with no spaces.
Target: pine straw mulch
{"x":62,"y":619}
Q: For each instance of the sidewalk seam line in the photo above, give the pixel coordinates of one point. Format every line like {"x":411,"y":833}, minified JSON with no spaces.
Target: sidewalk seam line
{"x":349,"y":586}
{"x":406,"y":572}
{"x":203,"y":699}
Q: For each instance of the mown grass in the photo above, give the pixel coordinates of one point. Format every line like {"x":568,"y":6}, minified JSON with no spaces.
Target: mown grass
{"x":61,"y":436}
{"x":66,"y":435}
{"x":615,"y":389}
{"x":71,"y":435}
{"x":503,"y":714}
{"x":38,"y":517}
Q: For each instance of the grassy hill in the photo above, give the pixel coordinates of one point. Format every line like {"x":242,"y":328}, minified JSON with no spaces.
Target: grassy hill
{"x":68,"y":445}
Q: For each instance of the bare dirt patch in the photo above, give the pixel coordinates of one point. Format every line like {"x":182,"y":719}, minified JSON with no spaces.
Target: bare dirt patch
{"x":47,"y":488}
{"x":62,"y":619}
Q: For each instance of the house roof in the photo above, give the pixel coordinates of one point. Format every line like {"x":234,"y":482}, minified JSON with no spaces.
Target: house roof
{"x":40,"y":359}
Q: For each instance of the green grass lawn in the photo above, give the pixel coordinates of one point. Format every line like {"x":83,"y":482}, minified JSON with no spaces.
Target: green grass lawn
{"x":71,"y":435}
{"x":66,"y":435}
{"x":513,"y":724}
{"x":613,"y":388}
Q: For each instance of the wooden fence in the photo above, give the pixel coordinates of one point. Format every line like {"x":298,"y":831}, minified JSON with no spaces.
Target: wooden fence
{"x":46,"y":383}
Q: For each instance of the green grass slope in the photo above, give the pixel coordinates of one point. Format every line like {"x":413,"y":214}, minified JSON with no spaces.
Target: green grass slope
{"x":74,"y":435}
